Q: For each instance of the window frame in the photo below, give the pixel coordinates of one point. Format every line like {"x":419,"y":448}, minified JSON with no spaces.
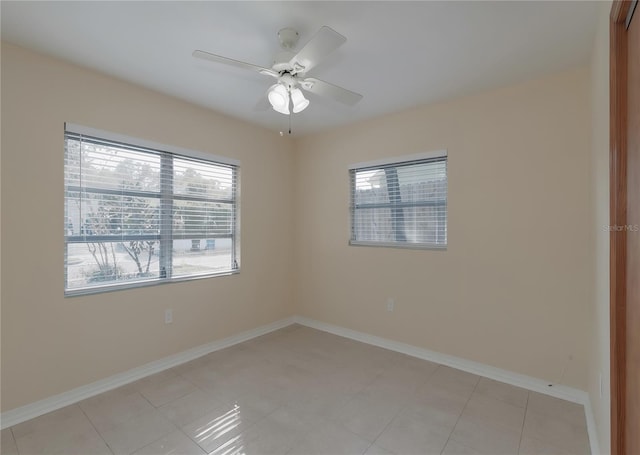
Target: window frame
{"x":436,"y":156}
{"x":166,"y":153}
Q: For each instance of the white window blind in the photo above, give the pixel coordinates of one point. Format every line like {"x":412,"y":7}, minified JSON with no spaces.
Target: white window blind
{"x":401,"y":204}
{"x":136,"y":215}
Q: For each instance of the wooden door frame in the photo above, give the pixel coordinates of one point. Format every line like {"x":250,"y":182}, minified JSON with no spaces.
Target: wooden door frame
{"x":618,"y":217}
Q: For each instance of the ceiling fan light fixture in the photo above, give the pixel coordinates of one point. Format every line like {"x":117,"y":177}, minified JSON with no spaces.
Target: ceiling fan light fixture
{"x":300,"y":103}
{"x":283,"y":110}
{"x":279,"y":98}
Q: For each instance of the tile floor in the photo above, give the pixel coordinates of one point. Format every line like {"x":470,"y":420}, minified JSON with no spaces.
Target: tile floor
{"x":302,"y":391}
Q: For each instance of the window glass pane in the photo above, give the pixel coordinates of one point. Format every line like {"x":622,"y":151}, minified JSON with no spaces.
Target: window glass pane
{"x":108,"y":214}
{"x":425,"y":225}
{"x":111,"y":167}
{"x":134,"y":215}
{"x":100,"y":263}
{"x":72,"y":166}
{"x":422,"y":176}
{"x":373,"y":225}
{"x":73,"y":211}
{"x":201,"y":256}
{"x":195,"y":178}
{"x":200,"y":219}
{"x":371,"y":187}
{"x":404,"y":203}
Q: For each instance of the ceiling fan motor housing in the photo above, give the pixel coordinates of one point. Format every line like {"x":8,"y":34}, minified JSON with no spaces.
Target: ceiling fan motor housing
{"x":282,"y":61}
{"x":288,"y":81}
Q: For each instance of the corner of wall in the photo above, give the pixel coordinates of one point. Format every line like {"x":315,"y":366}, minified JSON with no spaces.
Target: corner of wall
{"x":598,"y":372}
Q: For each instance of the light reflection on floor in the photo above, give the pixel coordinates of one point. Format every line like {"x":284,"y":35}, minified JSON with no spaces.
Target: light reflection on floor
{"x":220,"y":427}
{"x":233,"y":446}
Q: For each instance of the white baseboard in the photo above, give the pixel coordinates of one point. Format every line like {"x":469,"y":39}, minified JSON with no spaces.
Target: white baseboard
{"x":591,"y":428}
{"x":23,"y":413}
{"x":29,"y":411}
{"x":516,"y":379}
{"x":498,"y":374}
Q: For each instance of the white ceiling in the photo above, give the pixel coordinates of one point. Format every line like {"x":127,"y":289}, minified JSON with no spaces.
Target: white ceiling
{"x":397,"y":54}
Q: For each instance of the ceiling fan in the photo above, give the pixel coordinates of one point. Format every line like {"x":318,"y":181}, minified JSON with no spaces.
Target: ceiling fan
{"x":290,"y":70}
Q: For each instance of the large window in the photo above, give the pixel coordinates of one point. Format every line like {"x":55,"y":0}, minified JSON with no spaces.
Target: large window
{"x":139,"y":213}
{"x":400,"y":203}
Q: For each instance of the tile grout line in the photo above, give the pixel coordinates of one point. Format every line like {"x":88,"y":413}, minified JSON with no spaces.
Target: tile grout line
{"x":462,"y":412}
{"x":139,"y":448}
{"x":353,"y":396}
{"x":224,"y":401}
{"x":523,"y":422}
{"x":95,"y":429}
{"x":15,"y":441}
{"x":189,"y":438}
{"x":156,"y":440}
{"x":401,"y":409}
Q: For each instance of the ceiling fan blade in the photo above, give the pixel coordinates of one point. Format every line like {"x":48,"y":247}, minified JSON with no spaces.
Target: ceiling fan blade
{"x":323,"y":88}
{"x":231,"y":62}
{"x":321,"y":44}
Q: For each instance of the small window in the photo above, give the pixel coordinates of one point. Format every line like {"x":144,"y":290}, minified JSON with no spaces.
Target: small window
{"x":401,"y":203}
{"x":139,"y":213}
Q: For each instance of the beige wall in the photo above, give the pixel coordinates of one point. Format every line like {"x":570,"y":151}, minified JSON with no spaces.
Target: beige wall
{"x":513,"y":288}
{"x":599,"y":332}
{"x":52,"y":344}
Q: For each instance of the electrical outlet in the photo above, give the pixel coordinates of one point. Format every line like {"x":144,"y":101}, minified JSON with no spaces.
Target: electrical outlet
{"x":391,"y":304}
{"x":168,"y":316}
